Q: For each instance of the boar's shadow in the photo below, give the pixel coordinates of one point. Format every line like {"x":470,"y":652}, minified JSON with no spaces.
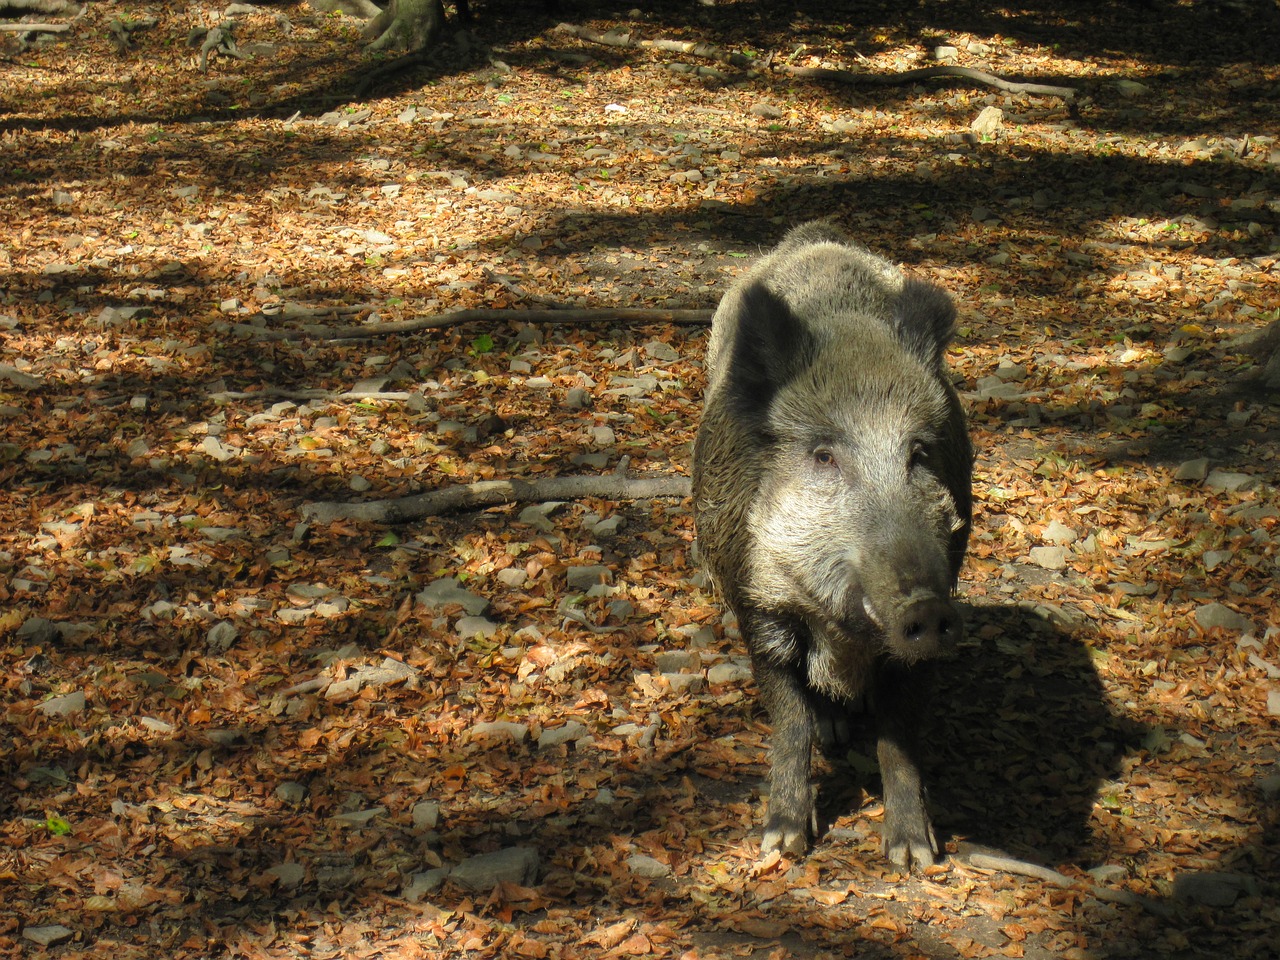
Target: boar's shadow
{"x":1021,"y":737}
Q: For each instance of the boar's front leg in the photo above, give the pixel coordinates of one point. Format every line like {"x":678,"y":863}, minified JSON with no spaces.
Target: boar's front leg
{"x":899,"y":695}
{"x":793,"y":819}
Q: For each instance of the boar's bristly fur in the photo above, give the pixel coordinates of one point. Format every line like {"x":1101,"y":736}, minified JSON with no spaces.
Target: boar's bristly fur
{"x":831,"y":483}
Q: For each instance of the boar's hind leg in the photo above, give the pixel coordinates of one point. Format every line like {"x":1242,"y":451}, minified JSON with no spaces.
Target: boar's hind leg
{"x":908,"y":835}
{"x":792,"y":819}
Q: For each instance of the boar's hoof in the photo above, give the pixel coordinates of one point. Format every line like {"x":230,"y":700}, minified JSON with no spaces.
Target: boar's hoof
{"x":910,"y":845}
{"x":788,"y":834}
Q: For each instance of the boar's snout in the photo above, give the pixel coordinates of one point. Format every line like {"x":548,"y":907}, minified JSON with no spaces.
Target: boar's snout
{"x":930,"y":625}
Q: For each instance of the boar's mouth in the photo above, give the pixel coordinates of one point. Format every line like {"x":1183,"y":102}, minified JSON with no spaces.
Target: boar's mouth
{"x":918,"y":626}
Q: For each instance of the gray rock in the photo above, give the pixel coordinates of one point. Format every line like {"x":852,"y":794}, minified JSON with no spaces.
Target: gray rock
{"x":221,"y":636}
{"x":387,"y":672}
{"x":288,"y":874}
{"x":1216,"y":615}
{"x":1109,"y":873}
{"x":1215,"y":558}
{"x":1132,"y":89}
{"x":422,"y":883}
{"x":728,"y":673}
{"x":1059,"y":533}
{"x":659,"y":350}
{"x":538,"y":515}
{"x":1273,"y":703}
{"x":358,"y":818}
{"x":945,"y":53}
{"x":48,"y":934}
{"x":482,"y":873}
{"x":1230,"y":482}
{"x":989,"y":122}
{"x":448,"y":591}
{"x":514,"y":577}
{"x":63,"y":706}
{"x":608,"y":527}
{"x":469,"y":627}
{"x":685,"y":682}
{"x":677,"y":661}
{"x":648,"y":867}
{"x":1008,"y":371}
{"x":568,"y":733}
{"x":291,"y":792}
{"x":577,"y":398}
{"x":583,"y":578}
{"x":1213,"y":889}
{"x":426,"y":815}
{"x":499,"y":729}
{"x":38,"y":630}
{"x":765,"y":110}
{"x":1051,"y":558}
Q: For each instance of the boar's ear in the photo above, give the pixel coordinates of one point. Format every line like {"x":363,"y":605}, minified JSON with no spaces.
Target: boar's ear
{"x":924,"y":320}
{"x":771,"y":346}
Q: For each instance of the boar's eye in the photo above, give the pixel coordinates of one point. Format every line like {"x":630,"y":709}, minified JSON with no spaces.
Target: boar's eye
{"x":919,"y":456}
{"x":823,"y":457}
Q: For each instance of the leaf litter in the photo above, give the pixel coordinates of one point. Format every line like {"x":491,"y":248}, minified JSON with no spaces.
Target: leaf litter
{"x":230,"y":731}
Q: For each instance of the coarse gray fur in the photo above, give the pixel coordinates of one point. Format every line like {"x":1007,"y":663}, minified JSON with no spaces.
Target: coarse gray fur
{"x":831,"y":485}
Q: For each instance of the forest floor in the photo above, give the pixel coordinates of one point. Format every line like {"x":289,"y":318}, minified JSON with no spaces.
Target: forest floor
{"x":529,"y":731}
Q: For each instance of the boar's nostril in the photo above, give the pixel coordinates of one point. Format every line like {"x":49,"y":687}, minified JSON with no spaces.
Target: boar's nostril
{"x":929,"y":622}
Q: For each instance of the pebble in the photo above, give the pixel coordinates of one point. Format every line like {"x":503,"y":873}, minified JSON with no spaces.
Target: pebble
{"x":1213,"y":889}
{"x":1051,"y":558}
{"x":518,"y":865}
{"x":567,"y":733}
{"x":1230,"y":482}
{"x":583,"y":578}
{"x":469,"y":627}
{"x":1059,"y":533}
{"x":518,"y":732}
{"x":1217,"y":615}
{"x":221,"y":636}
{"x":1196,"y":469}
{"x":63,"y":706}
{"x":648,"y":867}
{"x":288,"y":874}
{"x":48,"y":935}
{"x":447,"y":591}
{"x":426,"y":815}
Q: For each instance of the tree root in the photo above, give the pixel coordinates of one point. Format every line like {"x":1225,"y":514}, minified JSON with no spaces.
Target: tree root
{"x":926,"y":73}
{"x":985,"y":858}
{"x":489,"y":493}
{"x":619,"y":38}
{"x":370,"y":331}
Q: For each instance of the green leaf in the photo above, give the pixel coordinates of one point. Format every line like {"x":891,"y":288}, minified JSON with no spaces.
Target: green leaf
{"x":57,"y":826}
{"x":389,"y":539}
{"x":482,"y":344}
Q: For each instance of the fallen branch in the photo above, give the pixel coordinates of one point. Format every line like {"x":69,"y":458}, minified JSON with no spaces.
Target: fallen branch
{"x":490,"y":493}
{"x":926,"y":73}
{"x":985,"y":858}
{"x":35,"y":27}
{"x":371,"y":331}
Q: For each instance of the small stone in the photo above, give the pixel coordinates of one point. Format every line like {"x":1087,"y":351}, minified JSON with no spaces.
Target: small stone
{"x":359,"y":484}
{"x":661,"y":351}
{"x":1132,"y":89}
{"x":358,"y":818}
{"x":677,"y":661}
{"x":648,"y":867}
{"x":577,"y":398}
{"x":514,"y":577}
{"x":1273,"y":702}
{"x":1008,"y":371}
{"x":426,"y":815}
{"x":728,"y":673}
{"x":583,"y":578}
{"x":1215,"y":558}
{"x":989,"y":122}
{"x":482,"y":873}
{"x":1109,"y":873}
{"x":422,"y":883}
{"x":1051,"y":558}
{"x":538,"y":515}
{"x":1213,"y":889}
{"x":1216,"y":615}
{"x":63,"y":706}
{"x":38,"y":630}
{"x":288,"y":874}
{"x":766,"y":110}
{"x":48,"y":935}
{"x":221,"y":636}
{"x":1230,"y":482}
{"x":469,"y":627}
{"x":1195,"y":470}
{"x":685,"y":682}
{"x":945,"y":54}
{"x":291,"y":792}
{"x":501,"y":729}
{"x":1059,"y":533}
{"x":448,"y":591}
{"x":568,"y":733}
